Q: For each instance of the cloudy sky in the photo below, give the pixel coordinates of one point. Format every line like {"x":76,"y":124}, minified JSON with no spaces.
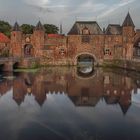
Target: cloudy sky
{"x":68,"y":11}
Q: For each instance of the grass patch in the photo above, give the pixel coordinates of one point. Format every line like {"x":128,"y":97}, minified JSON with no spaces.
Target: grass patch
{"x":27,"y":70}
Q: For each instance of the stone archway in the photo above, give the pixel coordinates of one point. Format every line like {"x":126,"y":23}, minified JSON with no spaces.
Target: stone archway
{"x":16,"y":65}
{"x":136,"y":49}
{"x":28,"y":50}
{"x":86,"y":59}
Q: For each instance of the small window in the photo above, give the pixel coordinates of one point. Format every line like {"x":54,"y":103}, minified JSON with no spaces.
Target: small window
{"x":62,"y":51}
{"x":85,"y":39}
{"x":107,"y":52}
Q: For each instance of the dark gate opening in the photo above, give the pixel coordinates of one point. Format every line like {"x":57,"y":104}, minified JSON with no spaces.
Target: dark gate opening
{"x":85,"y":64}
{"x":16,"y":65}
{"x":28,"y":50}
{"x":85,"y":60}
{"x":1,"y":67}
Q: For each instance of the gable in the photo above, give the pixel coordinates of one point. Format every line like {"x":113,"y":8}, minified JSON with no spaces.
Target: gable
{"x":92,"y":26}
{"x":114,"y":29}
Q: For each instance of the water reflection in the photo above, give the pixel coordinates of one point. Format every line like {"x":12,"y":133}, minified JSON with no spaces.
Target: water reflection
{"x":86,"y":71}
{"x":62,"y":90}
{"x":108,"y":86}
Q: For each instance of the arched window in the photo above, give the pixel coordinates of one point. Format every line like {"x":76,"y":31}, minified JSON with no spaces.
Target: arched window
{"x":85,"y":31}
{"x":85,"y":35}
{"x":28,"y":50}
{"x":137,"y":48}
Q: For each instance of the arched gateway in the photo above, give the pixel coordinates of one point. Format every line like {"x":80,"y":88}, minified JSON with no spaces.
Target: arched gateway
{"x":137,"y":48}
{"x":85,"y":59}
{"x":28,"y":50}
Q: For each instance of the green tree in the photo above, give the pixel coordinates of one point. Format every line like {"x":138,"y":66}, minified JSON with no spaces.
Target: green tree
{"x":5,"y":28}
{"x":51,"y":29}
{"x":27,"y":29}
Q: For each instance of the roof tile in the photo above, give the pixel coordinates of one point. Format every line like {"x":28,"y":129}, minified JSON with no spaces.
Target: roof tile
{"x":93,"y":27}
{"x":4,"y":38}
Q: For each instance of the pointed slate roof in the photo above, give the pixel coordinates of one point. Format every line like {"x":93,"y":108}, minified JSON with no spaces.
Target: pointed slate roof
{"x":125,"y":108}
{"x":128,"y":21}
{"x":39,"y":26}
{"x":92,"y":26}
{"x":40,"y":100}
{"x":61,"y":29}
{"x":18,"y":100}
{"x":16,"y":27}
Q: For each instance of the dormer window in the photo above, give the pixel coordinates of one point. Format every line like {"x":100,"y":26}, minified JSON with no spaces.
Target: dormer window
{"x":85,"y":35}
{"x":85,"y":31}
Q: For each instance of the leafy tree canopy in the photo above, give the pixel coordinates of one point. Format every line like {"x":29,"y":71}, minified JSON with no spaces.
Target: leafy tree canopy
{"x":27,"y":29}
{"x":5,"y":28}
{"x":51,"y":29}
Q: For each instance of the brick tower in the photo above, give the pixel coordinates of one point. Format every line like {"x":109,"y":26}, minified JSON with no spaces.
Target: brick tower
{"x":128,"y":37}
{"x":16,"y":41}
{"x":39,"y":38}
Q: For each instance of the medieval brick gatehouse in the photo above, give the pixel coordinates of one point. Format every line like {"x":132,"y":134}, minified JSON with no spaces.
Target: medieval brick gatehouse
{"x":85,"y":40}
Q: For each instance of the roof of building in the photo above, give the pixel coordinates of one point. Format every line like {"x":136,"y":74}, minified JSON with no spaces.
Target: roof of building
{"x":16,"y":27}
{"x":92,"y":26}
{"x":18,"y":100}
{"x":128,"y":21}
{"x":125,"y":107}
{"x":77,"y":101}
{"x":39,"y":26}
{"x":138,"y":30}
{"x":55,"y":35}
{"x":113,"y":29}
{"x":4,"y":38}
{"x":40,"y":100}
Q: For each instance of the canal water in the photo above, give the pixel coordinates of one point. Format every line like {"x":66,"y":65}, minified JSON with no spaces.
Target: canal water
{"x":61,"y":103}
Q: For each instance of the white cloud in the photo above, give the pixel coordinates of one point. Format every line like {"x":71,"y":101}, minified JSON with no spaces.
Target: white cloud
{"x":67,"y":11}
{"x":40,"y":3}
{"x":116,"y":7}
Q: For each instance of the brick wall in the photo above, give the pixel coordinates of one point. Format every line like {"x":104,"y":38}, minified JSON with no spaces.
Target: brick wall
{"x":64,"y":50}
